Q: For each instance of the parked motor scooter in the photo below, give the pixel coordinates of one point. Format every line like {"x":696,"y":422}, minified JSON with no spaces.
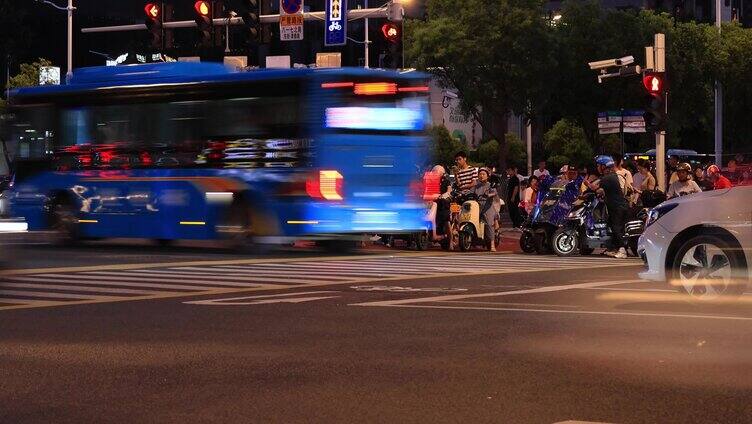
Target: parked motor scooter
{"x":585,"y":228}
{"x":472,"y":225}
{"x":554,"y":202}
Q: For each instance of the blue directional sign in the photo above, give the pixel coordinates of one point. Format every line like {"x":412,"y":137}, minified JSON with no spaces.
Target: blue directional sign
{"x":335,"y":30}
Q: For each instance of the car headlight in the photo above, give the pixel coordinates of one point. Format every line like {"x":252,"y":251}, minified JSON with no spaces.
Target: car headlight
{"x":658,"y":212}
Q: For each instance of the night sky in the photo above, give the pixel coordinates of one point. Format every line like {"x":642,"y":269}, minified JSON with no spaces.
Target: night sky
{"x":45,"y":33}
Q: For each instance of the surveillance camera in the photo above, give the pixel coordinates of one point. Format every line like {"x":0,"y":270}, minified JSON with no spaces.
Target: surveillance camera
{"x":602,"y":64}
{"x":626,"y":60}
{"x":450,"y":94}
{"x":608,"y":63}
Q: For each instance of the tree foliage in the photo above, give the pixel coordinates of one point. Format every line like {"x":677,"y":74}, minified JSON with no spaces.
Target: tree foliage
{"x":506,"y":56}
{"x":495,"y":54}
{"x":29,"y":74}
{"x":443,"y":146}
{"x":567,"y":145}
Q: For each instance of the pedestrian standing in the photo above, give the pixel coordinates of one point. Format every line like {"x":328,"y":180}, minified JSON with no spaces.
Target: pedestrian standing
{"x":541,"y":171}
{"x":513,"y":196}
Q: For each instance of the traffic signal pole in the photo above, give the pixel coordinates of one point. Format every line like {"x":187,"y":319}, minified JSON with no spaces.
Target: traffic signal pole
{"x":659,"y":50}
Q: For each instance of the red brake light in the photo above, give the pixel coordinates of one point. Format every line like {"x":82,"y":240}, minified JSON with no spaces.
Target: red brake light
{"x":414,"y":89}
{"x":375,"y":88}
{"x":325,"y":185}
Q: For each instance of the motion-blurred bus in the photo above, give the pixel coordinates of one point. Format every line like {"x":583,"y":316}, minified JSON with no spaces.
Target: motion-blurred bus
{"x":195,"y":151}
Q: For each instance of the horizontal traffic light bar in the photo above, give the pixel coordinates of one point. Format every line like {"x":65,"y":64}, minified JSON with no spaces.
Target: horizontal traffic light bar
{"x":353,"y":14}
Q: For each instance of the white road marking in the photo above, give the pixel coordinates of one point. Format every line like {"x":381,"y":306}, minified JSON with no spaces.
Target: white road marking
{"x":51,"y":295}
{"x":76,"y":280}
{"x":66,"y":287}
{"x":545,"y":289}
{"x":555,"y":311}
{"x":265,"y":299}
{"x":188,"y":284}
{"x":209,"y":278}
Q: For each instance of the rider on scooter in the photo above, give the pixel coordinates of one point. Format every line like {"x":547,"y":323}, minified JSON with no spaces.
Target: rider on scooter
{"x":486,"y":195}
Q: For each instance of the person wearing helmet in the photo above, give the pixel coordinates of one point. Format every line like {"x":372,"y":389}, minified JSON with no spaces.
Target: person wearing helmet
{"x":719,"y":181}
{"x":616,"y":202}
{"x":684,"y":185}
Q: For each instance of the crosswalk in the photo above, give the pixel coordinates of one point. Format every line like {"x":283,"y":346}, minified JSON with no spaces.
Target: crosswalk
{"x":159,"y":281}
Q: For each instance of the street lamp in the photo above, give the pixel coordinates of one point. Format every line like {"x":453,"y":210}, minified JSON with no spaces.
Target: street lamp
{"x":70,"y":10}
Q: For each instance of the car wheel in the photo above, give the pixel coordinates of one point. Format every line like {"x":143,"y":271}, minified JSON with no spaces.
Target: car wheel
{"x":565,"y":242}
{"x":708,"y":267}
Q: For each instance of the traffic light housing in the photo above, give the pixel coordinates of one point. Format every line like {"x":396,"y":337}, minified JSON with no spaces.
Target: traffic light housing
{"x":391,"y":57}
{"x":204,"y":22}
{"x":153,"y":21}
{"x":415,"y":9}
{"x":655,"y":101}
{"x":391,"y":32}
{"x":250,"y":12}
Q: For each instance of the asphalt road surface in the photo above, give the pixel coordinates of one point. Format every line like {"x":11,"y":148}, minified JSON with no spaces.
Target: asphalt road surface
{"x":124,"y":333}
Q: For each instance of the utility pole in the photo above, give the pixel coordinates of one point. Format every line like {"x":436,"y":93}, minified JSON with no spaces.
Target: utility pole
{"x":367,"y":42}
{"x":718,"y":100}
{"x":659,"y":50}
{"x":529,"y":142}
{"x":70,"y":10}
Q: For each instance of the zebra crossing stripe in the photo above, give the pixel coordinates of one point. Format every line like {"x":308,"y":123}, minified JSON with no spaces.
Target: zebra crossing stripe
{"x":253,"y":274}
{"x":72,"y":288}
{"x":53,"y":295}
{"x":77,"y":279}
{"x":230,"y":281}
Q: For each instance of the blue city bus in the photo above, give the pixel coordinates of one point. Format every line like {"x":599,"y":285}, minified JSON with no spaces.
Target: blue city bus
{"x":195,"y":151}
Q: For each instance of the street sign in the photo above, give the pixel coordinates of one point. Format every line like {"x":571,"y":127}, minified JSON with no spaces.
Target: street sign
{"x":290,"y":20}
{"x":335,"y":30}
{"x":614,"y":122}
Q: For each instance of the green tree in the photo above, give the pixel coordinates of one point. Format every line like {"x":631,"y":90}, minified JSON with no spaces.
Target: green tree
{"x":567,"y":144}
{"x":443,"y":146}
{"x":29,"y":74}
{"x":517,"y":151}
{"x":488,"y":152}
{"x":495,"y":54}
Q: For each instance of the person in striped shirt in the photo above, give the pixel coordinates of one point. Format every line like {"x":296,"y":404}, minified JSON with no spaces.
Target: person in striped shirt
{"x":466,"y":176}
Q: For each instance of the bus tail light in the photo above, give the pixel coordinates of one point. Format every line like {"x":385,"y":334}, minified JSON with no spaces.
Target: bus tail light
{"x":375,"y":88}
{"x":326,"y":185}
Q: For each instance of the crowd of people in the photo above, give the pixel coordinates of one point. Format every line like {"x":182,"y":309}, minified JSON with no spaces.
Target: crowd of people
{"x":624,"y":187}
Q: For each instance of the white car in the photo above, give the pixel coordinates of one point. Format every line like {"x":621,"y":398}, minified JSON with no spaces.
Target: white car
{"x":701,"y":243}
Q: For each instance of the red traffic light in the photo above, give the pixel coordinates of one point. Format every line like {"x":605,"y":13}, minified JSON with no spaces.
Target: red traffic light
{"x":152,"y":11}
{"x":202,"y":8}
{"x":653,"y":83}
{"x":391,"y":32}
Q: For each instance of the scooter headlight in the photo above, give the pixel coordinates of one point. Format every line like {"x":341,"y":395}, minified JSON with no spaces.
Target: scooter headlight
{"x":576,"y":213}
